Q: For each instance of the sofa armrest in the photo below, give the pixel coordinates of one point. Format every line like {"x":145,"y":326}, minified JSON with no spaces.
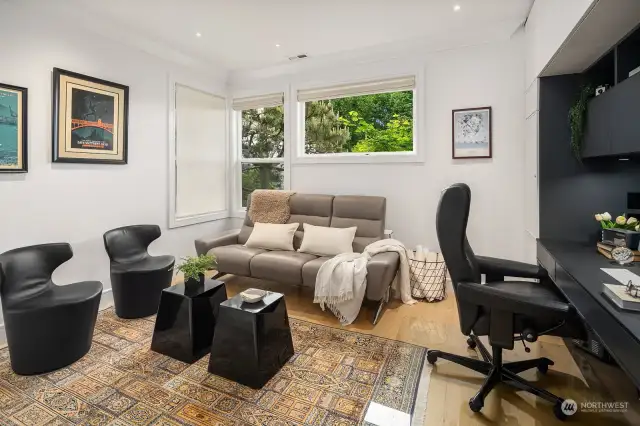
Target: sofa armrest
{"x":203,"y":245}
{"x":381,"y":270}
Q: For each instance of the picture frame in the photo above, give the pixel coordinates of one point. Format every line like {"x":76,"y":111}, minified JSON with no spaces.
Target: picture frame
{"x":471,"y":133}
{"x":13,"y":129}
{"x":90,"y":119}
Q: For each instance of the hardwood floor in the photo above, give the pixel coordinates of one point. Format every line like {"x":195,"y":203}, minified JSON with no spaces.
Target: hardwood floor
{"x":435,"y":325}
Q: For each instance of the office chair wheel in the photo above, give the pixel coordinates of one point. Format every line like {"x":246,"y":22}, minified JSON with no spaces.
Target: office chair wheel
{"x":471,"y":344}
{"x":557,"y":411}
{"x":476,"y":404}
{"x":432,"y":357}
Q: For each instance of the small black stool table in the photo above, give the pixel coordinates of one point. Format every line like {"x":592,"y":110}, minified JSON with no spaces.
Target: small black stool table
{"x":186,"y":320}
{"x":252,"y":341}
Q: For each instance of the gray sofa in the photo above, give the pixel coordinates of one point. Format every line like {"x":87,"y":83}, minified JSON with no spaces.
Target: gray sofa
{"x":292,"y":267}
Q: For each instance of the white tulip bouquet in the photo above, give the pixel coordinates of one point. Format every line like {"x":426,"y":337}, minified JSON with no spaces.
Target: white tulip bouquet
{"x":621,"y":222}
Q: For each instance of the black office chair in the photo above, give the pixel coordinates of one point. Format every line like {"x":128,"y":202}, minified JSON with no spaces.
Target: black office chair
{"x":137,"y":279}
{"x":48,"y":326}
{"x":506,"y":311}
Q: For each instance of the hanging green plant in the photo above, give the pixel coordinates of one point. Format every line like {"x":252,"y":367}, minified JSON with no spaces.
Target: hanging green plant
{"x":578,"y":120}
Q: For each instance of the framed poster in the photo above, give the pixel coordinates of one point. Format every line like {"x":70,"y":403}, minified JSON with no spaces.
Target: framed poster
{"x":13,"y":129}
{"x":89,"y":119}
{"x":472,"y":133}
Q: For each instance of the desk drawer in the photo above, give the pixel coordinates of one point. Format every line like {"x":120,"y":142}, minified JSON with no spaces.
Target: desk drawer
{"x":547,"y":261}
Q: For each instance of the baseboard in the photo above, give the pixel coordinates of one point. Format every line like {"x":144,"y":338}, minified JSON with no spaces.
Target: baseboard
{"x":106,"y":301}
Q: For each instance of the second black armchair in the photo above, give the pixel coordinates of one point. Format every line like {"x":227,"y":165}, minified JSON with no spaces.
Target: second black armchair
{"x":137,"y":279}
{"x":505,"y":311}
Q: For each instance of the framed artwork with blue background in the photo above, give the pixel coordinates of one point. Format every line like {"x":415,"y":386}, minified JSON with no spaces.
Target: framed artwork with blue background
{"x":89,"y":119}
{"x":472,"y":133}
{"x":13,"y":129}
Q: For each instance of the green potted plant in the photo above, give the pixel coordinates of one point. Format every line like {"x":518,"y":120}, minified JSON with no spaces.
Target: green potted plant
{"x":194,"y":268}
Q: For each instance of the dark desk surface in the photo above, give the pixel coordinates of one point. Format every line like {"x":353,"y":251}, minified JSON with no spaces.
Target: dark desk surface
{"x":577,"y":274}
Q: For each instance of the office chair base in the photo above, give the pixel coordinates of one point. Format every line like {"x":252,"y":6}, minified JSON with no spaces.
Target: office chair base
{"x":498,"y":372}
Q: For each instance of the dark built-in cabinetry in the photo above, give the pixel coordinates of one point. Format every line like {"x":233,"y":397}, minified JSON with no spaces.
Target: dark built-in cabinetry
{"x":613,"y":118}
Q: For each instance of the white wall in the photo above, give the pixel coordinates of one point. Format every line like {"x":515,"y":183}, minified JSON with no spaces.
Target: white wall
{"x":77,"y":203}
{"x":486,"y":75}
{"x":549,"y":24}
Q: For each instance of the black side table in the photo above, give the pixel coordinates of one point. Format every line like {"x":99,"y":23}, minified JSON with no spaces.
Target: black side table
{"x":186,"y":320}
{"x":252,"y":341}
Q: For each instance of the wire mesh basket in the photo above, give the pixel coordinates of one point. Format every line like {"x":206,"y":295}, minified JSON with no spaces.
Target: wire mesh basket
{"x":428,"y":278}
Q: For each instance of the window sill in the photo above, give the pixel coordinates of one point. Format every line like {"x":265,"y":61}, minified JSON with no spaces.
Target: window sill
{"x":349,"y":158}
{"x":177,"y":222}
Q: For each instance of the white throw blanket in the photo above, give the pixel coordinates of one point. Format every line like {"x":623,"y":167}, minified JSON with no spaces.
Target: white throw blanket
{"x":342,"y":281}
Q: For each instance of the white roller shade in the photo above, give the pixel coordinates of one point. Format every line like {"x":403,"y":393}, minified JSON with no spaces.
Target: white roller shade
{"x":262,"y":101}
{"x":201,"y":145}
{"x":366,"y":88}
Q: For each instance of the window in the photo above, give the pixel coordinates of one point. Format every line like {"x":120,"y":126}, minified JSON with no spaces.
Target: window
{"x":262,"y":143}
{"x":372,"y":117}
{"x":199,"y":154}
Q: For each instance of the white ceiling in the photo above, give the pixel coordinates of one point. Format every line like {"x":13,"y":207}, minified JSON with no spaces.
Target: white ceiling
{"x":240,"y":34}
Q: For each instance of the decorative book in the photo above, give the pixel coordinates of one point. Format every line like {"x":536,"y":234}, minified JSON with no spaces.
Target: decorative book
{"x":623,"y":300}
{"x":606,"y":249}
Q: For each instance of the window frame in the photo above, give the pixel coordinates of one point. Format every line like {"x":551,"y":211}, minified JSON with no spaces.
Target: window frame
{"x":236,"y":141}
{"x":298,"y":147}
{"x":180,"y":221}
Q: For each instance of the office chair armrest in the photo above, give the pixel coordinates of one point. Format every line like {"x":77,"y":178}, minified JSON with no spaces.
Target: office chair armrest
{"x":509,"y":301}
{"x":495,"y":267}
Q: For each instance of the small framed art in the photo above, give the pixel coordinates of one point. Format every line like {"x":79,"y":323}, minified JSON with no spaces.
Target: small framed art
{"x":13,"y":129}
{"x":471,"y":133}
{"x":89,"y":119}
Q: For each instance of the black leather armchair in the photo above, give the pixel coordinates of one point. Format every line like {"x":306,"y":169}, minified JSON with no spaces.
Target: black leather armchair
{"x":48,"y":326}
{"x":137,"y":279}
{"x":505,"y":311}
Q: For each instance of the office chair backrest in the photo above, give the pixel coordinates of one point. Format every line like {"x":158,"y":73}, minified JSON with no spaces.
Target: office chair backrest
{"x":26,"y":272}
{"x":451,"y":228}
{"x":129,"y":243}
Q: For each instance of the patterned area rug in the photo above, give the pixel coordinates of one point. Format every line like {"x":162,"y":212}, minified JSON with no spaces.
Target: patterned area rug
{"x":330,"y":380}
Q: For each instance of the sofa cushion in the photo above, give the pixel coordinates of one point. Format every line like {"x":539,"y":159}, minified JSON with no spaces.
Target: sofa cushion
{"x":327,"y":241}
{"x":235,"y":259}
{"x":310,"y":271}
{"x":272,"y":236}
{"x":367,"y":213}
{"x":280,"y":266}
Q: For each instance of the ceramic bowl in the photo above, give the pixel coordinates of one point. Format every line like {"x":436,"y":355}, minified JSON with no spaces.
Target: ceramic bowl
{"x":253,"y":295}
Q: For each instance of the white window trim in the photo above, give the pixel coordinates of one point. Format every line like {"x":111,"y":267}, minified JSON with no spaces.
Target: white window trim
{"x":298,"y":128}
{"x":179,"y":221}
{"x":236,"y":148}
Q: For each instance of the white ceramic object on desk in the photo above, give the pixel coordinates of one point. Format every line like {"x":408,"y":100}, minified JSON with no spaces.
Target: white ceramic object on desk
{"x":253,"y":295}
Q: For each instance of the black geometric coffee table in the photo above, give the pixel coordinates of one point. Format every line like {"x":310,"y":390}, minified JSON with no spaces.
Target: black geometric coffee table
{"x":252,"y":341}
{"x":186,"y":320}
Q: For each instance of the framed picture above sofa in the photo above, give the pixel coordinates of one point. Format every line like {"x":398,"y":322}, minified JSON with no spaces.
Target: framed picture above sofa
{"x":13,"y":129}
{"x":471,"y":133}
{"x":89,"y":119}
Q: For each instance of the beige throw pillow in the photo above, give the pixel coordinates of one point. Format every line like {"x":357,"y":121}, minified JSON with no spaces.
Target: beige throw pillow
{"x":272,"y":236}
{"x":326,"y":241}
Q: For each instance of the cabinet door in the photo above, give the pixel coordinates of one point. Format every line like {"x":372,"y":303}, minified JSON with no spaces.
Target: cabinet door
{"x":624,"y":104}
{"x":597,"y":140}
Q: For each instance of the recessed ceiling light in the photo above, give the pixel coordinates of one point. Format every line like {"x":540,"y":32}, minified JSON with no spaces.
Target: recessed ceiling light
{"x":456,"y":7}
{"x":277,"y":45}
{"x":198,"y":35}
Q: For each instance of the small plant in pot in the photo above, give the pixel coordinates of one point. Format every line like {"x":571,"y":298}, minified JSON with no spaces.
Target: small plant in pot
{"x":194,"y":268}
